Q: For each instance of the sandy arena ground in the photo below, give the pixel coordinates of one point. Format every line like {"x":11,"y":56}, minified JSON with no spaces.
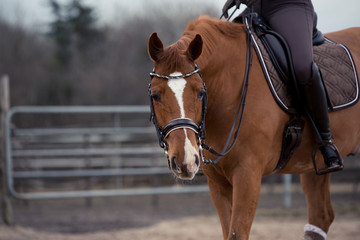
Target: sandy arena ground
{"x":171,"y":217}
{"x":198,"y":227}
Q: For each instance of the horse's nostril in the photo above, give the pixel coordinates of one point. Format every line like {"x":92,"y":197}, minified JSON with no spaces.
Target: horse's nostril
{"x":174,"y":164}
{"x":197,"y":160}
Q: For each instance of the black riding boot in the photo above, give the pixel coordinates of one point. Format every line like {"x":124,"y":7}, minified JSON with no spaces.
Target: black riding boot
{"x":316,"y":104}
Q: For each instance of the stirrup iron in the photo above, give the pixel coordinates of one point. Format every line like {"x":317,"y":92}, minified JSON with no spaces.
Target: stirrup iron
{"x":326,"y":170}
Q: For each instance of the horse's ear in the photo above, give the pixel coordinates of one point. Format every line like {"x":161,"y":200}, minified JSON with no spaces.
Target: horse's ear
{"x":195,"y":48}
{"x":155,"y":47}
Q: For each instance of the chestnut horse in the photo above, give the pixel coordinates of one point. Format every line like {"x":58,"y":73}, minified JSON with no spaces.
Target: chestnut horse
{"x":178,"y":93}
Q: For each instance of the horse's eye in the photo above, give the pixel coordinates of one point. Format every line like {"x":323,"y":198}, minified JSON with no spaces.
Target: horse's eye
{"x":201,"y":93}
{"x":156,"y":97}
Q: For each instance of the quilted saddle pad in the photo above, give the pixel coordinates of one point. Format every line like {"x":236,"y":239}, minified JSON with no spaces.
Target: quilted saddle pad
{"x":337,"y":69}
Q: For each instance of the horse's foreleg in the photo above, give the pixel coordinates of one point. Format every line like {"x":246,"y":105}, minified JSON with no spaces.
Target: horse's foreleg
{"x":246,"y":190}
{"x":320,"y":211}
{"x":221,"y":195}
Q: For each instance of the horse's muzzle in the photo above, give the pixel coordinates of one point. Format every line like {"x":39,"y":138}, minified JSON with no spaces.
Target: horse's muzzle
{"x":187,"y":170}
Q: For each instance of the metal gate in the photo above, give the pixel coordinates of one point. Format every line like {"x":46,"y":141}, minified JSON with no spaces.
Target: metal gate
{"x":34,"y":153}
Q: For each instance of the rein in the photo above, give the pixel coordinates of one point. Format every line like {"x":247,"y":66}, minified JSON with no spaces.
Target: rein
{"x":200,"y":129}
{"x":240,"y":110}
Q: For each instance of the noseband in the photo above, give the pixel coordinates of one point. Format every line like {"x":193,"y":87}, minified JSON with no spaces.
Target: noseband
{"x":179,"y":123}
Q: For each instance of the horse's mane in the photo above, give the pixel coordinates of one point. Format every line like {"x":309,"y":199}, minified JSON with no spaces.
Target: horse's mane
{"x":210,"y":28}
{"x":212,"y":31}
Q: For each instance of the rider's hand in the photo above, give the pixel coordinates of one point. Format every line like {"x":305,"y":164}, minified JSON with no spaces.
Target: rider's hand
{"x":229,"y":4}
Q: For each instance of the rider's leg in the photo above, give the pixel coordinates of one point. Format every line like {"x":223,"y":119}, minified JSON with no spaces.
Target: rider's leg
{"x":313,"y":93}
{"x":294,"y":21}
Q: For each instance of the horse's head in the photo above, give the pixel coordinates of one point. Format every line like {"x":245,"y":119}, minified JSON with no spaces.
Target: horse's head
{"x":178,"y":102}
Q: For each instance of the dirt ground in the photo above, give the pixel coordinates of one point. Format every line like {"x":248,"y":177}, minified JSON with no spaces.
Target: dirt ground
{"x":171,"y":217}
{"x":197,"y":227}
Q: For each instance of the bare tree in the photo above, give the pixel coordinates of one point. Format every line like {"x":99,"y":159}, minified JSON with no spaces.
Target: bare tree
{"x":106,"y":65}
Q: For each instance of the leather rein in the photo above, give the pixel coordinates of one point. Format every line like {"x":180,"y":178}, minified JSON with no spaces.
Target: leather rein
{"x":186,"y":123}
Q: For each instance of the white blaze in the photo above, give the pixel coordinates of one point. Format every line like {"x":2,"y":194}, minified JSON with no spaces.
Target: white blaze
{"x":178,"y":86}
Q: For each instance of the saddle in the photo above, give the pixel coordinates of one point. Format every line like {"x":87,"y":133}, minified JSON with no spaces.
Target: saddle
{"x":334,"y":61}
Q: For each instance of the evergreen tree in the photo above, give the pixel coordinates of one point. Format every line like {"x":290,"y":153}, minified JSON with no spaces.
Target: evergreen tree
{"x":74,"y":29}
{"x":60,"y":32}
{"x":82,"y":20}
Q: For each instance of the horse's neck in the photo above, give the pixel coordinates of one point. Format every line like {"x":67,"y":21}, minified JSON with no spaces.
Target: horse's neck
{"x":223,"y":72}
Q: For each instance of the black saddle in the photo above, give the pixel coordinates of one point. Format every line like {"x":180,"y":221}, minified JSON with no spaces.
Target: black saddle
{"x":278,"y":50}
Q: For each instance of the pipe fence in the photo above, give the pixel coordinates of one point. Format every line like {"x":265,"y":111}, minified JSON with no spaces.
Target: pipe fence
{"x":114,"y":154}
{"x":34,"y":153}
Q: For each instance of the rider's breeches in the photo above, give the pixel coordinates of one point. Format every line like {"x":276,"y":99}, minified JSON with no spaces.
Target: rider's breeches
{"x":293,"y":19}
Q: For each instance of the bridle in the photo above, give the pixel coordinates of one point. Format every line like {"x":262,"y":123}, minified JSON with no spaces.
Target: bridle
{"x":186,"y":123}
{"x":179,"y":123}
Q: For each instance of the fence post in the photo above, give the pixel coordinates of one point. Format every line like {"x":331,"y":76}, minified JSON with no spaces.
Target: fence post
{"x":4,"y":107}
{"x":287,"y":190}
